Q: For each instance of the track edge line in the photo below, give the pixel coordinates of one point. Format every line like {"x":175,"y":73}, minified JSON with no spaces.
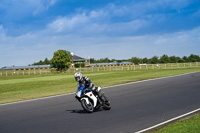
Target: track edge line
{"x":168,"y":121}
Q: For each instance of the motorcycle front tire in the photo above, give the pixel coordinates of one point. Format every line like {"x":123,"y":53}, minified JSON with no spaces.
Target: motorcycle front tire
{"x":89,"y":108}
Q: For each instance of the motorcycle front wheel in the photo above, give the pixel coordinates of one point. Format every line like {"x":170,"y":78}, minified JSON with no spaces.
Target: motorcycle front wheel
{"x":87,"y":107}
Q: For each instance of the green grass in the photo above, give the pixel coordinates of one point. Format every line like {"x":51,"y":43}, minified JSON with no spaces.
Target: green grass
{"x":191,"y":125}
{"x":24,"y":87}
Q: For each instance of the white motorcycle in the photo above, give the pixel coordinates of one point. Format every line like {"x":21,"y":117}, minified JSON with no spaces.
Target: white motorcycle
{"x":90,"y":101}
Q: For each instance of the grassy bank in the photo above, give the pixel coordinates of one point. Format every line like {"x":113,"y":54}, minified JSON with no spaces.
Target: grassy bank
{"x":25,"y":87}
{"x":191,"y":125}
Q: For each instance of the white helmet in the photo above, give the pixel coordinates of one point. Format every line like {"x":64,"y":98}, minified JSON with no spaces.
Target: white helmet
{"x":78,"y":76}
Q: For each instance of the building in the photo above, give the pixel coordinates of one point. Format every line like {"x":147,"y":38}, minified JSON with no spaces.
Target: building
{"x":112,"y":63}
{"x":25,"y":67}
{"x":79,"y":60}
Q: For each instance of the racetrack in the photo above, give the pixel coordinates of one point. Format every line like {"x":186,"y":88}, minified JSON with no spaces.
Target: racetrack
{"x":135,"y":106}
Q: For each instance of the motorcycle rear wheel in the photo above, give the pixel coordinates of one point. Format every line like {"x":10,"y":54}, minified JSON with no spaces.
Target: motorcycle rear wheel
{"x":87,"y":107}
{"x":106,"y":103}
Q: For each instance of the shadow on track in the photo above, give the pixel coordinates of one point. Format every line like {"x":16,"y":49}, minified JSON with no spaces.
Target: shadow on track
{"x":81,"y":111}
{"x":77,"y":111}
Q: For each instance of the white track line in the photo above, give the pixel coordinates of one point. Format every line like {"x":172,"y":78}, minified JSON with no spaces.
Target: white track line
{"x":168,"y":121}
{"x":102,"y":88}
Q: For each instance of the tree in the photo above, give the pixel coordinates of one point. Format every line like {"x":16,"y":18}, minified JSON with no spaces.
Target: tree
{"x":154,"y":60}
{"x":92,"y":60}
{"x":135,"y":60}
{"x":145,"y":60}
{"x":164,"y":59}
{"x":173,"y":59}
{"x":45,"y":62}
{"x":193,"y":58}
{"x":185,"y":59}
{"x":62,"y":59}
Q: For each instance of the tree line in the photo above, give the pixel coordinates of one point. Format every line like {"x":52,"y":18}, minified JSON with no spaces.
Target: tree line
{"x":154,"y":60}
{"x":62,"y":60}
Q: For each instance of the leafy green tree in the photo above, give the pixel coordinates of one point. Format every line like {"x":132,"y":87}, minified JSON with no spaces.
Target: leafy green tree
{"x":185,"y":59}
{"x":92,"y":60}
{"x":194,"y":58}
{"x":173,"y":59}
{"x":62,"y":59}
{"x":145,"y":60}
{"x":135,"y":60}
{"x":46,"y":61}
{"x":154,"y":60}
{"x":180,"y":60}
{"x":164,"y":59}
{"x":106,"y":60}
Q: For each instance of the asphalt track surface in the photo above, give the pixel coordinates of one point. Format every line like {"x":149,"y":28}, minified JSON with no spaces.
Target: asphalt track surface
{"x":135,"y":107}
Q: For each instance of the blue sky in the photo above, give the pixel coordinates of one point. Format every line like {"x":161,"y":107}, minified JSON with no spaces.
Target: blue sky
{"x":31,"y":30}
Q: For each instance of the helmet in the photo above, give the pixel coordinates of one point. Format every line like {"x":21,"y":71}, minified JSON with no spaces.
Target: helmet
{"x":78,"y":76}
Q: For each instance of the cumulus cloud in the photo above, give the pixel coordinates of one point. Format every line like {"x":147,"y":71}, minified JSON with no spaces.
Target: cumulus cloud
{"x":40,"y":5}
{"x":132,"y":29}
{"x":29,"y":48}
{"x":66,"y":23}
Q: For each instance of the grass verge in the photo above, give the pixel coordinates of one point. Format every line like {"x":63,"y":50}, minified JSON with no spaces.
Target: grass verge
{"x":26,"y":87}
{"x":191,"y":125}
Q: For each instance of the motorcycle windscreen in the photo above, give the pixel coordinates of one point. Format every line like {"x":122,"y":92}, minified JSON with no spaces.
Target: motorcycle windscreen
{"x":79,"y":92}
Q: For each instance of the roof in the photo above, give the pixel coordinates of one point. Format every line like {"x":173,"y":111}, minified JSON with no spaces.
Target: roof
{"x":111,"y":63}
{"x":77,"y":58}
{"x":24,"y":67}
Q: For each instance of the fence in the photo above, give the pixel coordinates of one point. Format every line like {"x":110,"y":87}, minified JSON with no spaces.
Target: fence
{"x":24,"y":72}
{"x":101,"y":68}
{"x":134,"y":67}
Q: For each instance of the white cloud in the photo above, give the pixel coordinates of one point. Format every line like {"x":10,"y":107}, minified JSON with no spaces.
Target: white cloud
{"x":40,"y":5}
{"x":29,"y":48}
{"x":67,"y":23}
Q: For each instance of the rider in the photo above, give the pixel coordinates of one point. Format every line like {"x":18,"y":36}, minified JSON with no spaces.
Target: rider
{"x":85,"y":81}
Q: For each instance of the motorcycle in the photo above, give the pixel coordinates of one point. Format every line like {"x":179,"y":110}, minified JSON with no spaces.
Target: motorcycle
{"x":91,"y":101}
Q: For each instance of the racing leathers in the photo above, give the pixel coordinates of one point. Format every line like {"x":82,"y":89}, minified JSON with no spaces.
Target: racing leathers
{"x":85,"y":81}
